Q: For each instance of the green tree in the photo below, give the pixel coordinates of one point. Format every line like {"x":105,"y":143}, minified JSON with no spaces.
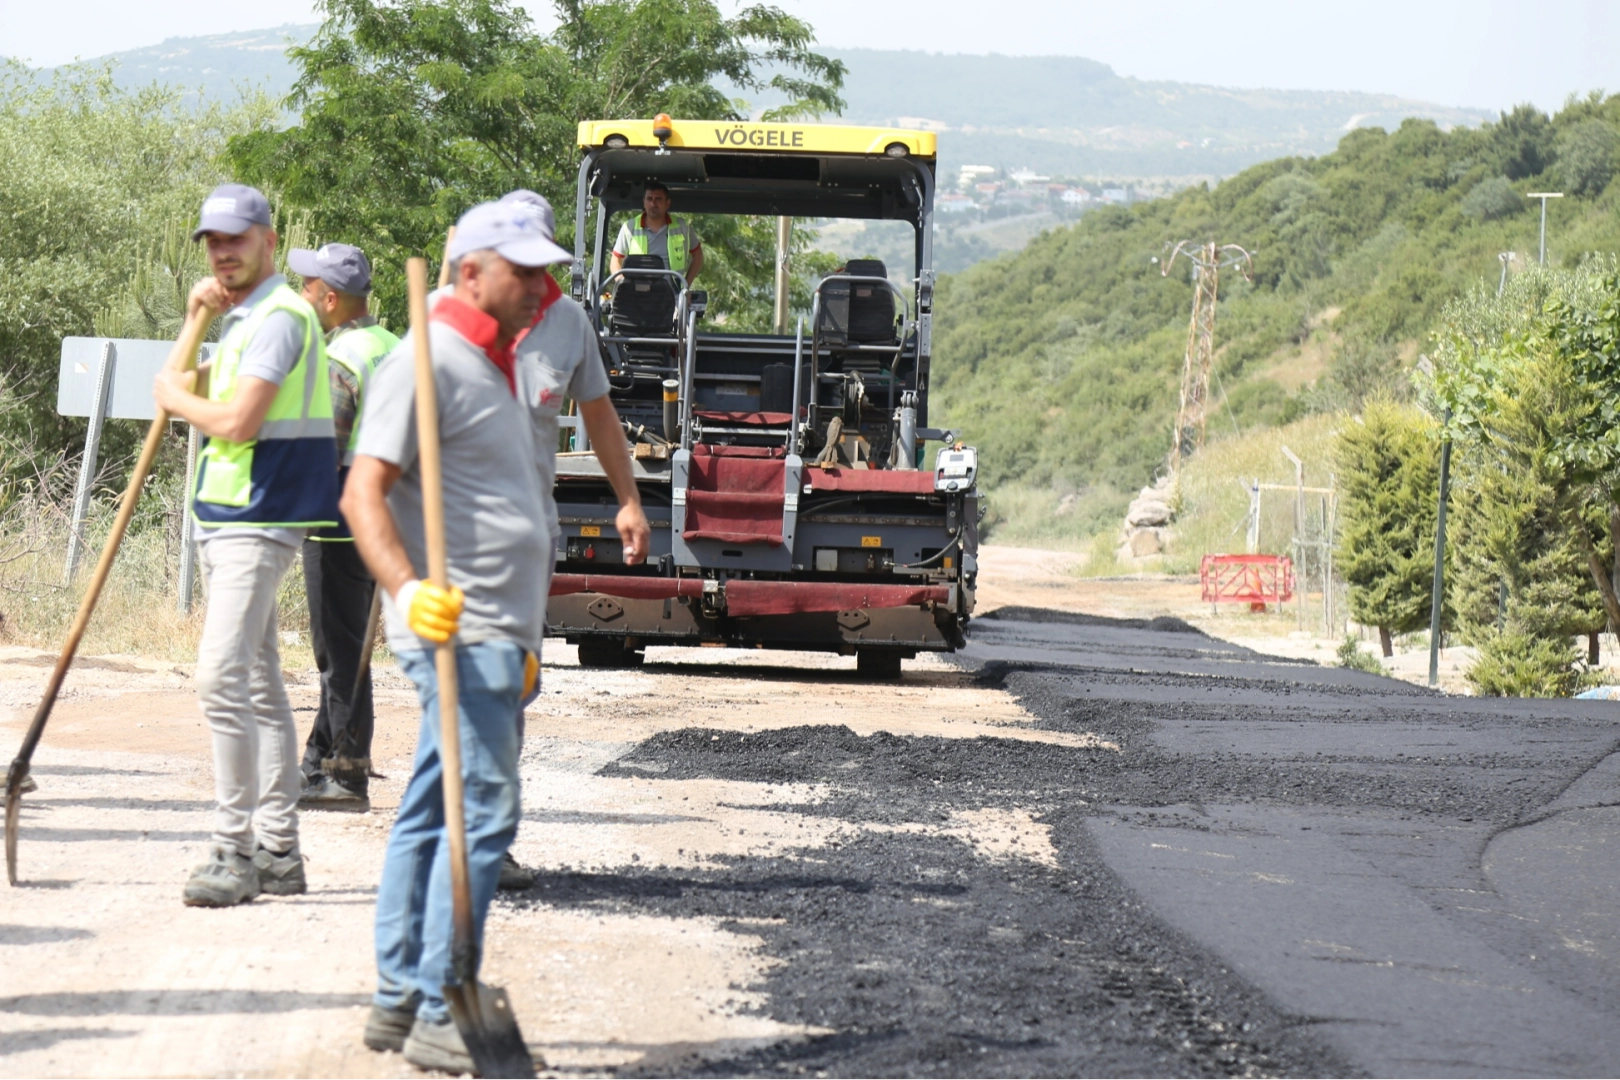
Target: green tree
{"x":90,"y":177}
{"x":1532,"y":380}
{"x":411,"y":112}
{"x":1522,"y":141}
{"x":1586,"y":156}
{"x":1388,"y":467}
{"x":1492,"y":198}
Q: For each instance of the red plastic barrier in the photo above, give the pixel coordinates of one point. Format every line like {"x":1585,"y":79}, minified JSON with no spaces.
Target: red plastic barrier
{"x":1256,"y":580}
{"x":794,"y":597}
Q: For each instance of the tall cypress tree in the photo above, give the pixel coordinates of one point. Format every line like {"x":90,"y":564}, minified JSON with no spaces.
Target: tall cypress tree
{"x":1388,"y":472}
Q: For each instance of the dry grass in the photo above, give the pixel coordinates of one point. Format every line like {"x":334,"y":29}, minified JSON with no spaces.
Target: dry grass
{"x":1214,"y":502}
{"x":1215,"y":489}
{"x":138,"y":612}
{"x":1053,"y":518}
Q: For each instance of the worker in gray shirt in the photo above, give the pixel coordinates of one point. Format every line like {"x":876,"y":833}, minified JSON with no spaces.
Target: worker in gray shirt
{"x":494,"y":607}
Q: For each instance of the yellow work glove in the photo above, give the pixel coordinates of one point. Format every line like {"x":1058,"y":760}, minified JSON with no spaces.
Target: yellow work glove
{"x":431,"y":612}
{"x":531,"y":672}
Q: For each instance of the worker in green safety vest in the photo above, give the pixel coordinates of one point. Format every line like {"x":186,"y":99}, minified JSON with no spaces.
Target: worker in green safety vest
{"x":267,"y":473}
{"x":337,"y":755}
{"x":657,"y":232}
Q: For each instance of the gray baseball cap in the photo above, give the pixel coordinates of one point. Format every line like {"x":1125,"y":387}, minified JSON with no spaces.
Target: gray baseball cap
{"x":536,"y":202}
{"x":232,"y":209}
{"x":342,"y":266}
{"x":513,"y":230}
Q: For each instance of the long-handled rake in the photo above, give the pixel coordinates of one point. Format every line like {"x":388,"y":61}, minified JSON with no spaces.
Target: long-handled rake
{"x":183,"y":357}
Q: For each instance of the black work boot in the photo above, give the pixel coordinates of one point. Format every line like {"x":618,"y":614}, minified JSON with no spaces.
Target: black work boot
{"x":329,"y":793}
{"x":514,"y":878}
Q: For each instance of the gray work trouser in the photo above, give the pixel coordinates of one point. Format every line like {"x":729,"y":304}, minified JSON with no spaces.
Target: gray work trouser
{"x":256,"y":777}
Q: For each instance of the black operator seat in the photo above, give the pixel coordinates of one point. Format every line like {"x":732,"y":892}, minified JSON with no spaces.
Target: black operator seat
{"x":643,"y":304}
{"x":858,"y":312}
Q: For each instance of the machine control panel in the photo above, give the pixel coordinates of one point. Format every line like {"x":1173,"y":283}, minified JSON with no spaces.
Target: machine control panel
{"x":955,"y":468}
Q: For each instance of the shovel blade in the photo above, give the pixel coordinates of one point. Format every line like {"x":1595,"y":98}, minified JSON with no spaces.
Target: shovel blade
{"x":13,"y":813}
{"x":483,"y":1014}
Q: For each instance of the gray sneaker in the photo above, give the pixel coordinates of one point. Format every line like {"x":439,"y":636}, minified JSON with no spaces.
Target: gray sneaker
{"x":437,"y":1046}
{"x":281,"y":875}
{"x":225,"y":880}
{"x":387,"y":1029}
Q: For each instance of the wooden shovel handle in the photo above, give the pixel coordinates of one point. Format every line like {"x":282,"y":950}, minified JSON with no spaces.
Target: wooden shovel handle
{"x":182,"y":357}
{"x":444,"y":656}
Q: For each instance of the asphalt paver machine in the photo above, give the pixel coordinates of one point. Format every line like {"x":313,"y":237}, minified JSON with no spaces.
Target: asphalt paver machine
{"x":787,"y":476}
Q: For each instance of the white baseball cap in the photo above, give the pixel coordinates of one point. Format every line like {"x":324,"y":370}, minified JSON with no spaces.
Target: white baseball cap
{"x":513,"y":230}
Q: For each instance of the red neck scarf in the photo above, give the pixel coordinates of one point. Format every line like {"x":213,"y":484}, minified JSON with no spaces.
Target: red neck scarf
{"x":482,"y":330}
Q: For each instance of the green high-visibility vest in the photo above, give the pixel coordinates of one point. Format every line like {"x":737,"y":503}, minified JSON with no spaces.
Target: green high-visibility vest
{"x":286,"y":477}
{"x":679,"y":252}
{"x":358,"y":350}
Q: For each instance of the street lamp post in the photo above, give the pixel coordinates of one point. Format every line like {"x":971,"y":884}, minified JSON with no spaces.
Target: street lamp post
{"x":1544,"y":196}
{"x":1504,"y":258}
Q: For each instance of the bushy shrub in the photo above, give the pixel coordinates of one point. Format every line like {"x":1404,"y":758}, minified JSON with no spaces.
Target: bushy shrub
{"x":1586,"y":156}
{"x":1514,"y":663}
{"x":1351,"y":656}
{"x":1490,"y":199}
{"x":1532,"y":380}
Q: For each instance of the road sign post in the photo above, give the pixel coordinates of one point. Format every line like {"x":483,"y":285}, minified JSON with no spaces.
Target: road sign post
{"x":87,"y":466}
{"x":111,"y":379}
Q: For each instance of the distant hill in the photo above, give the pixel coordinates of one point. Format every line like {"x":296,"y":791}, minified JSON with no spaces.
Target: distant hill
{"x":1063,"y":116}
{"x":1071,"y":117}
{"x":215,"y":66}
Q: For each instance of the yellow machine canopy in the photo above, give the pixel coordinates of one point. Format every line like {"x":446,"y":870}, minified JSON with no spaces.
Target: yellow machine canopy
{"x":796,"y":170}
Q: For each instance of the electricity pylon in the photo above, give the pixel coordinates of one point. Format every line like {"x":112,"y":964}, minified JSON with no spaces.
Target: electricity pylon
{"x":1208,"y":260}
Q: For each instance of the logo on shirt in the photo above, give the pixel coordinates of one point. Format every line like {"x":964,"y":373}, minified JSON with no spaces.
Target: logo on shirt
{"x":549,"y":397}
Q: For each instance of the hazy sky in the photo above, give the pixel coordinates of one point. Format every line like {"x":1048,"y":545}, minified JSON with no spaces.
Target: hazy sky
{"x":1488,"y":53}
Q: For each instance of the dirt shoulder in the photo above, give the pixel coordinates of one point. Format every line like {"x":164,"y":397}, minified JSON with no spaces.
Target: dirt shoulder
{"x":108,"y":974}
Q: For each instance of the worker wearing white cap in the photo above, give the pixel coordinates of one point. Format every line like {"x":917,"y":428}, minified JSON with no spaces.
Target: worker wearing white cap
{"x":494,"y":607}
{"x":266,"y":474}
{"x":337,"y":754}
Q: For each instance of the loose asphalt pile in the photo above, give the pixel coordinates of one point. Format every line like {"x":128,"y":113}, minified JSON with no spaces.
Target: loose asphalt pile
{"x":1283,"y":870}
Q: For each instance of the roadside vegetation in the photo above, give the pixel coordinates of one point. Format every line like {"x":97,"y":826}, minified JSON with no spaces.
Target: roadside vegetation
{"x":1358,"y":252}
{"x":1372,"y":311}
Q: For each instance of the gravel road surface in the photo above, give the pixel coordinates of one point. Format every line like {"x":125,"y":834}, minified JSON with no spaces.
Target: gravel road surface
{"x":1089,"y":844}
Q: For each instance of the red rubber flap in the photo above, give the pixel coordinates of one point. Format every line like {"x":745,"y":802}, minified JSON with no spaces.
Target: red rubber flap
{"x":891,"y":481}
{"x":794,"y":597}
{"x":625,"y":586}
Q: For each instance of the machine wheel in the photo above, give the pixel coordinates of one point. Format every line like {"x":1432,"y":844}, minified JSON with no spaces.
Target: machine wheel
{"x":877,"y":663}
{"x":608,"y":653}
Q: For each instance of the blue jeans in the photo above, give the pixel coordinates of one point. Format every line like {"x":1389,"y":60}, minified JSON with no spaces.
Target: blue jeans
{"x":413,"y":902}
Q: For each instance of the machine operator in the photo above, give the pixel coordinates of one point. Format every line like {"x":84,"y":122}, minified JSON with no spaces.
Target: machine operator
{"x":658,"y":232}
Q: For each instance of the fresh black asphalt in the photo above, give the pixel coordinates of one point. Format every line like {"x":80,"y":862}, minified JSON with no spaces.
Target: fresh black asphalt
{"x":1285,"y":869}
